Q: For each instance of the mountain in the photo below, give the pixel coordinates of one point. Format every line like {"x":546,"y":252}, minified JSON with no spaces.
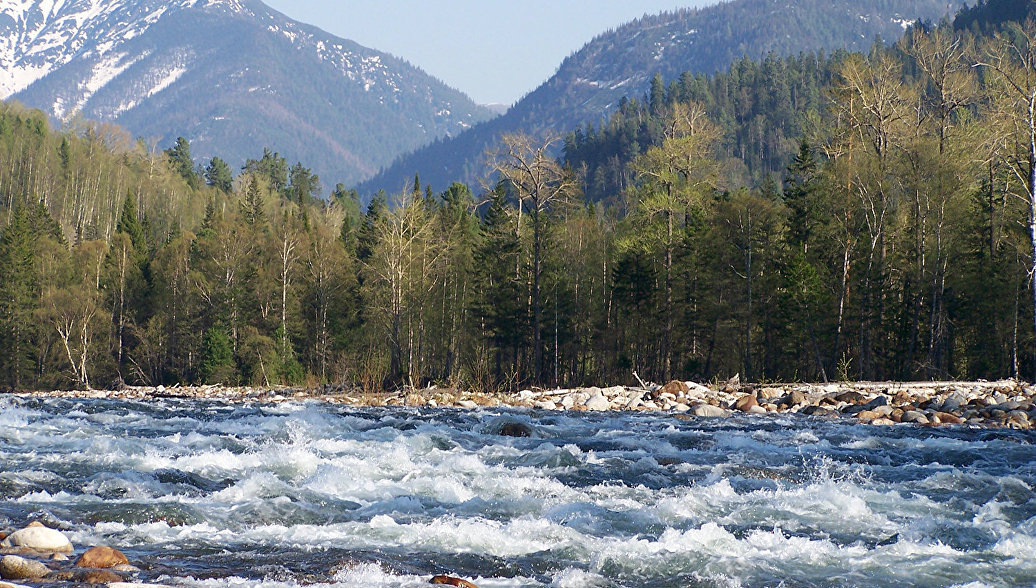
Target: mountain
{"x":233,"y":76}
{"x":621,"y":63}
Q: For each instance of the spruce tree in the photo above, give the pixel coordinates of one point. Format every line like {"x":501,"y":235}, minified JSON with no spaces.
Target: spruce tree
{"x":17,"y":299}
{"x":219,"y":176}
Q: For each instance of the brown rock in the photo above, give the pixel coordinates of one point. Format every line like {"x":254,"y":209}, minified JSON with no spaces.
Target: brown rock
{"x":676,"y":388}
{"x":746,"y":403}
{"x":851,"y":397}
{"x":101,"y":556}
{"x":794,"y":398}
{"x":948,"y":419}
{"x":99,"y":577}
{"x":450,"y":581}
{"x":868,"y":415}
{"x":769,"y":393}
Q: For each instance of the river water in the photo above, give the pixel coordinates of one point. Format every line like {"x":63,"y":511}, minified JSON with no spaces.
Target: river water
{"x":210,"y":494}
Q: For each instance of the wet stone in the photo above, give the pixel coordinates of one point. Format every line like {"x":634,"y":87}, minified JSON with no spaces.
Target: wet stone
{"x":13,"y":567}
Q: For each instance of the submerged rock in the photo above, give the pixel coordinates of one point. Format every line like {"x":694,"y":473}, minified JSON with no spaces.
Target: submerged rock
{"x":99,"y":577}
{"x":39,"y":538}
{"x":101,"y":556}
{"x":13,"y":567}
{"x":513,"y":429}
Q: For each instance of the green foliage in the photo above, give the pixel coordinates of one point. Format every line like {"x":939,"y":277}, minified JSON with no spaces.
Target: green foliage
{"x":271,"y":167}
{"x":889,"y":242}
{"x":622,"y":63}
{"x":217,"y":358}
{"x":219,"y":176}
{"x":181,"y":162}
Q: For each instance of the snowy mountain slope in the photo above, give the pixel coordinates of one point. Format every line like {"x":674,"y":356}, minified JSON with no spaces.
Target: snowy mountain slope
{"x":233,"y":76}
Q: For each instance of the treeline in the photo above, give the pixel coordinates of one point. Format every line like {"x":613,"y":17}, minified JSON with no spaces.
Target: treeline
{"x":897,"y":243}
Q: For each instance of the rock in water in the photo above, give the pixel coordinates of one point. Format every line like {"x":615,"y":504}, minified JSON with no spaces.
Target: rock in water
{"x":514,"y":429}
{"x":450,"y":581}
{"x":101,"y":556}
{"x":707,"y":410}
{"x":13,"y":567}
{"x":100,"y":577}
{"x":39,"y":538}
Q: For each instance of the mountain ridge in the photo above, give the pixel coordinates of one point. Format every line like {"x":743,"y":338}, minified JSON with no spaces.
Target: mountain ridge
{"x":233,"y":76}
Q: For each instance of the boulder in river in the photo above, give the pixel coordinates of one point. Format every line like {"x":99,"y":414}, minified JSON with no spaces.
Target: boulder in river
{"x":707,"y":410}
{"x":39,"y":538}
{"x":509,"y":428}
{"x":101,"y":556}
{"x":13,"y":567}
{"x":451,"y":581}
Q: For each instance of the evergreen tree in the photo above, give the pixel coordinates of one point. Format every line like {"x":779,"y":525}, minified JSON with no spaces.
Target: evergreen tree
{"x":272,"y":167}
{"x":219,"y":176}
{"x":217,"y":358}
{"x":17,"y":299}
{"x":253,"y":209}
{"x":498,"y":277}
{"x":181,"y":162}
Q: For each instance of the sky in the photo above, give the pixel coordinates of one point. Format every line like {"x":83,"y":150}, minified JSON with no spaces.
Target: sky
{"x":490,"y":49}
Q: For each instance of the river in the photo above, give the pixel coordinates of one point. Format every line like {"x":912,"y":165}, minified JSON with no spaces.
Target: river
{"x":215,"y":494}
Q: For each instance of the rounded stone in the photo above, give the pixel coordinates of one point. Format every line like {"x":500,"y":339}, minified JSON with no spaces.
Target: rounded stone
{"x":598,"y":403}
{"x":709,"y":411}
{"x":101,"y":556}
{"x":13,"y":567}
{"x":746,"y":403}
{"x":39,"y":538}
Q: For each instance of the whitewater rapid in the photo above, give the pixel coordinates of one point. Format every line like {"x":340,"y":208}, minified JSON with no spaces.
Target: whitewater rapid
{"x":222,"y":495}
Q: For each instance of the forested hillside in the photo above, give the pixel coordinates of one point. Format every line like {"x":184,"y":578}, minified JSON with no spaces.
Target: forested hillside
{"x":898,"y":243}
{"x":590,"y":84}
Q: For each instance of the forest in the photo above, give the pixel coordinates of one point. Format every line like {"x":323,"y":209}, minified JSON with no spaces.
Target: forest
{"x":813,"y":218}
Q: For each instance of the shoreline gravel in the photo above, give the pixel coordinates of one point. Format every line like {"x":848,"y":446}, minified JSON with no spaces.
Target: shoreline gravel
{"x":1003,"y":403}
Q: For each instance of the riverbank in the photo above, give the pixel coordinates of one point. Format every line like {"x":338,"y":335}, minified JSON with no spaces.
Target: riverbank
{"x":1005,"y":403}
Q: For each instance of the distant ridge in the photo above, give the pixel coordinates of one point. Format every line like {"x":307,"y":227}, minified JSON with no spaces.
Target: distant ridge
{"x":621,"y":63}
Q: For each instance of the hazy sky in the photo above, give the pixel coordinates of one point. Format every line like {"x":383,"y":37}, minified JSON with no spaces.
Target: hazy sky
{"x":491,"y":49}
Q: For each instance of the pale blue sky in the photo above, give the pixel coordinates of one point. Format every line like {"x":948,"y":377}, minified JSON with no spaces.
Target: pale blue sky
{"x":494,"y":50}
